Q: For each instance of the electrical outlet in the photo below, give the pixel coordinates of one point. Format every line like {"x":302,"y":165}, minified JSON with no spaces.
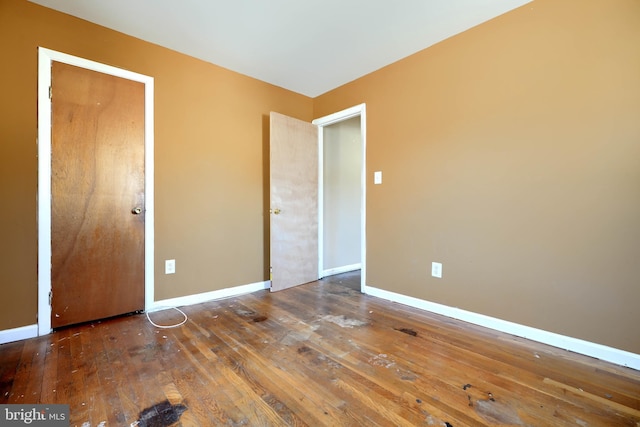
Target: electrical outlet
{"x":170,"y":266}
{"x":436,"y":269}
{"x":377,"y":177}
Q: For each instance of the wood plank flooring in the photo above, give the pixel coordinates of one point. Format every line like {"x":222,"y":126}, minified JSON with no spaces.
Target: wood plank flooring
{"x":319,"y":354}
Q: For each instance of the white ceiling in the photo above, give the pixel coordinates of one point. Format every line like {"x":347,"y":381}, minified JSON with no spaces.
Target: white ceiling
{"x":307,"y":46}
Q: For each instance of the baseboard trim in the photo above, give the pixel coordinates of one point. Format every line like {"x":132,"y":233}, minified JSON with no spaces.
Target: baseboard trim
{"x":17,"y":334}
{"x":31,"y":331}
{"x":602,"y":352}
{"x":339,"y":270}
{"x":209,"y":296}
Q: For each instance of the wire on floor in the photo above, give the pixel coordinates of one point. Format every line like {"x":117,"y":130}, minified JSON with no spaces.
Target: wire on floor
{"x":168,"y":326}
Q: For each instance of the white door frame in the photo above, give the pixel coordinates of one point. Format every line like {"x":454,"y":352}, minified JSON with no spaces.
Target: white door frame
{"x":355,"y":111}
{"x":45,"y":58}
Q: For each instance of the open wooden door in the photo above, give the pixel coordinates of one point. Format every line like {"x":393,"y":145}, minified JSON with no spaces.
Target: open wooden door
{"x":97,"y":190}
{"x":294,"y":202}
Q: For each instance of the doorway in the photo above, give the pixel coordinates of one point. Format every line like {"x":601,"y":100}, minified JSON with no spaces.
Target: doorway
{"x":342,"y":193}
{"x":297,"y":240}
{"x":341,"y":197}
{"x":140,"y":209}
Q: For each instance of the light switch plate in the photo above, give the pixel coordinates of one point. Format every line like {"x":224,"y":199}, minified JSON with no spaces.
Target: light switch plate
{"x":377,"y":177}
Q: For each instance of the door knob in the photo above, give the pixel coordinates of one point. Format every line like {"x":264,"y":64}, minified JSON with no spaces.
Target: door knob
{"x":274,"y":211}
{"x":136,"y":210}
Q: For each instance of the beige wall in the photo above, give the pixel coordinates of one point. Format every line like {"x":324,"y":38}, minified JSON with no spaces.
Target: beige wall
{"x":511,"y":154}
{"x":342,"y":191}
{"x":211,"y":129}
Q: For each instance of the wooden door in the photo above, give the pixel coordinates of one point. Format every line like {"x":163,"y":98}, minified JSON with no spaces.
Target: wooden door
{"x":294,"y":202}
{"x":97,"y":191}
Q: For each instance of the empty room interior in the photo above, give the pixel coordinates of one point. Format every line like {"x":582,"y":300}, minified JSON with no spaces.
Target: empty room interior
{"x":276,"y":224}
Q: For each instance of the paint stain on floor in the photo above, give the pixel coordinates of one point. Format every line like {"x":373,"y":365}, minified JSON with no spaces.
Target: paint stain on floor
{"x":382,"y":360}
{"x":162,"y":414}
{"x":342,"y":321}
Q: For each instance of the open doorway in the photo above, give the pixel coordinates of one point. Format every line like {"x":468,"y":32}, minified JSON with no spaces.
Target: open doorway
{"x":341,"y":203}
{"x":342,"y":193}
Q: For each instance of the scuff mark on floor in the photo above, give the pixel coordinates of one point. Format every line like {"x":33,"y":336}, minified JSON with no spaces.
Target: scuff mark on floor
{"x":244,"y":313}
{"x":342,"y":321}
{"x":407,"y":375}
{"x":381,"y":360}
{"x":303,"y":349}
{"x":434,"y":421}
{"x":295,"y":337}
{"x":497,"y":412}
{"x":407,"y":331}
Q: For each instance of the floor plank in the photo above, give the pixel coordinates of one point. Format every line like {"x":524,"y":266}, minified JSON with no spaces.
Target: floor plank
{"x":319,"y":354}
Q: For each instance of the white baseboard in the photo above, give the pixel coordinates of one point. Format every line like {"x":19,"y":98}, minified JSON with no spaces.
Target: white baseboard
{"x":17,"y":334}
{"x":609,"y":354}
{"x":209,"y":296}
{"x":339,"y":270}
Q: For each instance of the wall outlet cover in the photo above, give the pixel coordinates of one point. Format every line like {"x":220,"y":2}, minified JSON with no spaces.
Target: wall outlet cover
{"x":170,"y":266}
{"x":436,"y":269}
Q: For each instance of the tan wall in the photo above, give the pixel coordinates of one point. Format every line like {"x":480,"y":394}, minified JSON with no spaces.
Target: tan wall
{"x":211,"y":129}
{"x":511,"y":154}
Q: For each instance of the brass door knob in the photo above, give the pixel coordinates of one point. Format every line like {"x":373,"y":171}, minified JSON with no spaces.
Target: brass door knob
{"x":136,"y":211}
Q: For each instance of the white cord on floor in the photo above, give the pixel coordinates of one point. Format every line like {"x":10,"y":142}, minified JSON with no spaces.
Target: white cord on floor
{"x":169,"y":326}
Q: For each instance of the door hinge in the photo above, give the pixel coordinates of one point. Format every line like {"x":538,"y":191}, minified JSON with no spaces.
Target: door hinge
{"x":50,"y":93}
{"x":50,"y":298}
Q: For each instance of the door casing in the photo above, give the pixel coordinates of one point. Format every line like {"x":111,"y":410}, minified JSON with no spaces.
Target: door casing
{"x":355,"y":111}
{"x":45,"y":58}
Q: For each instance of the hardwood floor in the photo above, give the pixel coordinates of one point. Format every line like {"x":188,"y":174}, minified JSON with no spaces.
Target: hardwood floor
{"x":350,"y":280}
{"x":318,"y":354}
